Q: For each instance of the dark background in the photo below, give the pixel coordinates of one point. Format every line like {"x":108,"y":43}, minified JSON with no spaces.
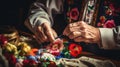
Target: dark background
{"x":14,"y":12}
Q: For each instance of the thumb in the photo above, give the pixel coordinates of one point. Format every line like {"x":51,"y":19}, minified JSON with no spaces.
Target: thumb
{"x":49,"y":32}
{"x":54,"y":33}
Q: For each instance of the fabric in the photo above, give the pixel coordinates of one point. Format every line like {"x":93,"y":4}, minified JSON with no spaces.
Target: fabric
{"x":3,"y":61}
{"x":105,"y":14}
{"x":110,"y":38}
{"x":85,"y":62}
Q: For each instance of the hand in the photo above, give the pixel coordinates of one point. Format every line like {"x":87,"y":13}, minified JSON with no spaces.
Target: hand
{"x":82,"y":32}
{"x":44,"y":33}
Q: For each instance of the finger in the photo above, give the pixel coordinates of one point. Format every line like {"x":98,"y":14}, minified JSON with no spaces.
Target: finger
{"x":79,"y":39}
{"x":74,"y":24}
{"x":54,"y":33}
{"x":41,"y":35}
{"x":87,"y":34}
{"x":73,"y":27}
{"x":48,"y":32}
{"x":82,"y":39}
{"x":68,"y":28}
{"x":74,"y":34}
{"x":68,"y":31}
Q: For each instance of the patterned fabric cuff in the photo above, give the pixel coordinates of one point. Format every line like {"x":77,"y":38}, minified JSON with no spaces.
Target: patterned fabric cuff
{"x":38,"y":21}
{"x":107,"y":38}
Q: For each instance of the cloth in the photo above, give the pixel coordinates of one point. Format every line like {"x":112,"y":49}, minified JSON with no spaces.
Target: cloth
{"x":3,"y":61}
{"x":85,"y":62}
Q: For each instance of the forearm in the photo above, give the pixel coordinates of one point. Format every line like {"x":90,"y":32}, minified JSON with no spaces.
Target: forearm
{"x":42,"y":11}
{"x":110,"y":38}
{"x":38,"y":15}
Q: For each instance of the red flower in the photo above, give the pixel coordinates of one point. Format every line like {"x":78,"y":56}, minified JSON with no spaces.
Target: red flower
{"x":74,"y":13}
{"x":52,"y":64}
{"x":29,"y":63}
{"x":25,"y":61}
{"x":109,"y":24}
{"x":3,"y":40}
{"x":75,"y":49}
{"x":102,"y":19}
{"x":11,"y":58}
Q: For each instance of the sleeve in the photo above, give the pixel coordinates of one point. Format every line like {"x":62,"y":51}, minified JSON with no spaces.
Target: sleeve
{"x":42,"y":11}
{"x":110,"y":38}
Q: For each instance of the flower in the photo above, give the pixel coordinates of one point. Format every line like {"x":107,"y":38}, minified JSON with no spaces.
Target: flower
{"x":54,"y":52}
{"x":52,"y":64}
{"x":102,"y":19}
{"x":3,"y":40}
{"x":109,"y":24}
{"x":29,"y":63}
{"x":109,"y":12}
{"x":73,"y":14}
{"x":24,"y":47}
{"x":75,"y":49}
{"x":56,"y":47}
{"x":33,"y":51}
{"x":11,"y":48}
{"x":47,"y":57}
{"x":111,"y":6}
{"x":11,"y":58}
{"x":99,"y":24}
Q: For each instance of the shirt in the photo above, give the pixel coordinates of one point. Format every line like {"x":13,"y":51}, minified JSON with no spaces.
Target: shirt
{"x":104,"y":14}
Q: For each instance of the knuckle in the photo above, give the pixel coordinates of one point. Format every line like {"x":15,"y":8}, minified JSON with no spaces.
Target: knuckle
{"x":69,"y":29}
{"x":71,"y":36}
{"x":72,"y":33}
{"x":83,"y":26}
{"x":69,"y":26}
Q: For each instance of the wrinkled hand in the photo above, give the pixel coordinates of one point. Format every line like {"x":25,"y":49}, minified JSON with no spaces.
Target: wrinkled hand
{"x":82,"y":32}
{"x":44,"y":33}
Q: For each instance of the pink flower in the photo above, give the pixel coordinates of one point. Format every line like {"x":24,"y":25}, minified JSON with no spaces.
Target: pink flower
{"x":109,"y":12}
{"x":54,"y":52}
{"x":111,"y":6}
{"x":74,"y":13}
{"x":99,"y":24}
{"x":55,"y":47}
{"x":109,"y":24}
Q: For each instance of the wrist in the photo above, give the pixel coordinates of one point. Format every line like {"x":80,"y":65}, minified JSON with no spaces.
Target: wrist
{"x":98,"y":37}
